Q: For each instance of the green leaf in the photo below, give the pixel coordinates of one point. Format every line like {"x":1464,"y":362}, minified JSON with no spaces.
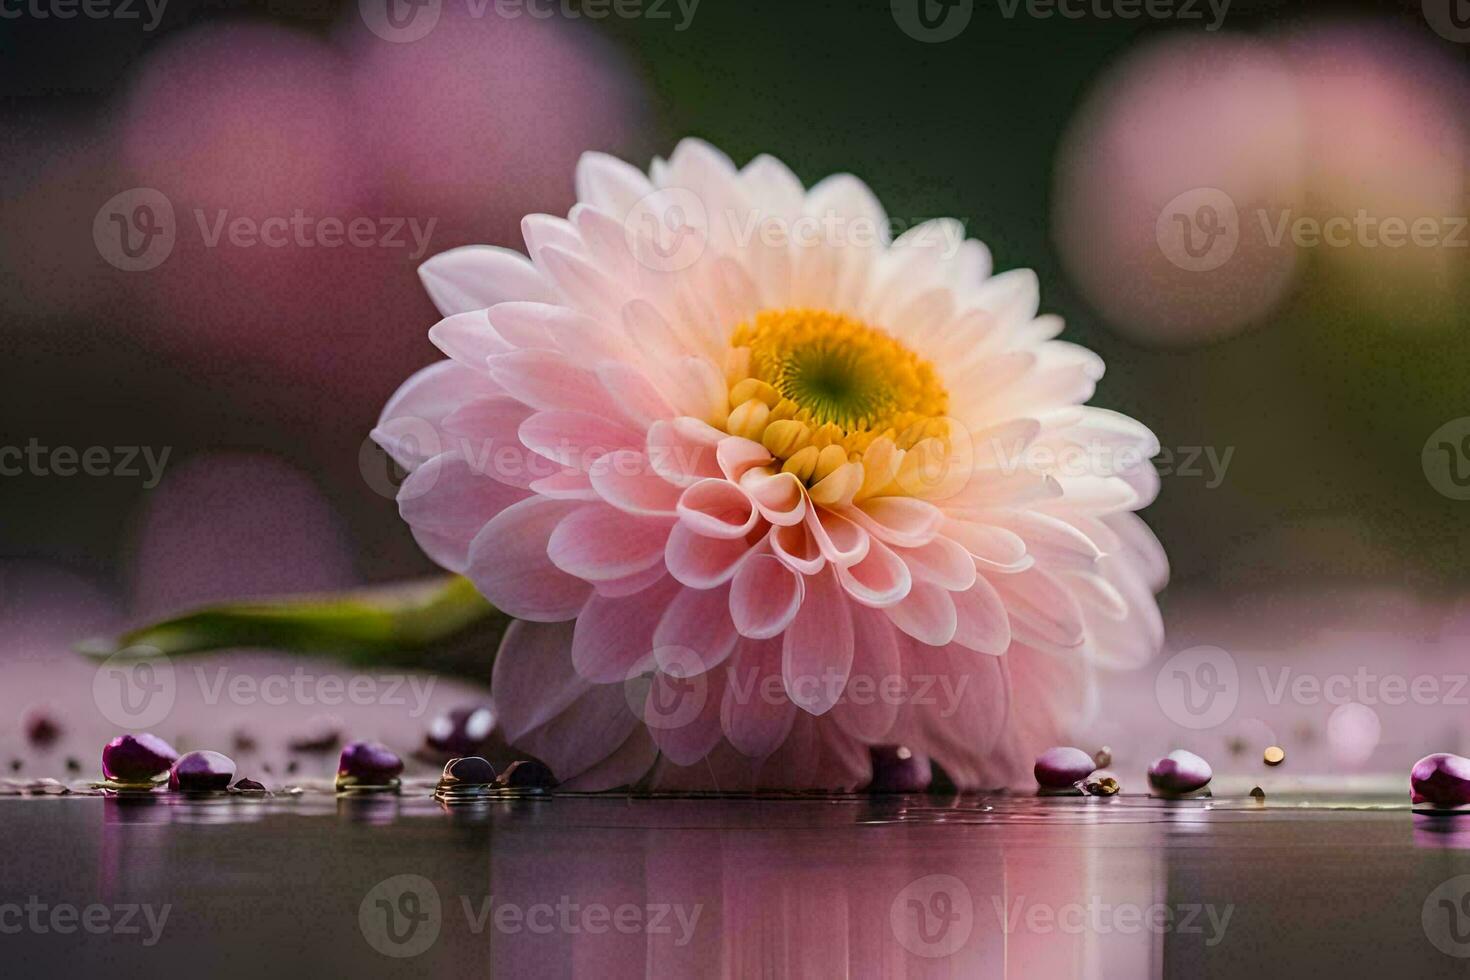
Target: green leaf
{"x":390,"y":624}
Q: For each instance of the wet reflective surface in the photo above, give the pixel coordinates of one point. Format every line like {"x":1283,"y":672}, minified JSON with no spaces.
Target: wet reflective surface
{"x":307,"y":883}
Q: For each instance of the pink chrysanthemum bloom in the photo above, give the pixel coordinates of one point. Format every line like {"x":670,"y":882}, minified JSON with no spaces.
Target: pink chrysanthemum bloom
{"x":764,"y":488}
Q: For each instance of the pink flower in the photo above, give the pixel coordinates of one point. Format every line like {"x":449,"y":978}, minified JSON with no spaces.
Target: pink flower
{"x":764,"y":487}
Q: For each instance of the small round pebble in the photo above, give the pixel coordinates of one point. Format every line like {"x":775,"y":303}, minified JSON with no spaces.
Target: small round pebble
{"x":1179,"y":772}
{"x":899,"y":769}
{"x":526,"y":774}
{"x":463,"y":731}
{"x":137,"y":758}
{"x":249,"y":786}
{"x":1442,"y":779}
{"x":1274,"y":755}
{"x":1101,"y":783}
{"x":1062,"y":767}
{"x":468,"y":771}
{"x":1257,"y":793}
{"x":198,"y":772}
{"x":369,"y":762}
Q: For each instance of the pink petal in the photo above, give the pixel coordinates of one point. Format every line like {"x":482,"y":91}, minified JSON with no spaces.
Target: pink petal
{"x":1043,"y":612}
{"x":547,"y":381}
{"x":630,"y":584}
{"x":683,"y":450}
{"x":586,"y":734}
{"x":779,"y":496}
{"x":613,"y":638}
{"x":817,"y":649}
{"x":576,"y":439}
{"x":701,"y":562}
{"x":869,"y":704}
{"x":683,"y":715}
{"x":735,"y":455}
{"x":533,"y":680}
{"x":904,"y":521}
{"x":410,"y":428}
{"x":981,"y":622}
{"x":765,"y":597}
{"x":599,"y":543}
{"x":695,"y":631}
{"x":473,"y":277}
{"x":755,"y":713}
{"x":880,"y":579}
{"x":927,"y":614}
{"x":841,"y":541}
{"x":468,"y":338}
{"x":486,"y":432}
{"x":797,"y":548}
{"x":627,"y":766}
{"x":625,"y":479}
{"x":941,"y":562}
{"x":717,"y":509}
{"x":446,"y":503}
{"x":565,"y":484}
{"x":992,"y":546}
{"x":509,"y":565}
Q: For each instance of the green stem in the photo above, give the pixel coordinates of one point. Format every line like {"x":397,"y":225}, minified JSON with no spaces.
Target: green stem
{"x":441,"y":624}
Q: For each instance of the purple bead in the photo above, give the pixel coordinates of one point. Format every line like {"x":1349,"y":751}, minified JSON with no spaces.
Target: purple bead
{"x":197,"y":772}
{"x":463,"y":731}
{"x":369,"y":762}
{"x":468,"y":771}
{"x":898,"y":769}
{"x":526,"y":774}
{"x":1179,"y":772}
{"x":1062,"y":767}
{"x":137,"y":758}
{"x":1442,"y":779}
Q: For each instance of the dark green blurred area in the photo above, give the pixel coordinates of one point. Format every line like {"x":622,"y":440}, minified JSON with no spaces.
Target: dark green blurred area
{"x":1326,"y":403}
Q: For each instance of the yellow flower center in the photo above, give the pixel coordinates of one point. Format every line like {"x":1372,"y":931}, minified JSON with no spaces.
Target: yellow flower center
{"x":818,"y":389}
